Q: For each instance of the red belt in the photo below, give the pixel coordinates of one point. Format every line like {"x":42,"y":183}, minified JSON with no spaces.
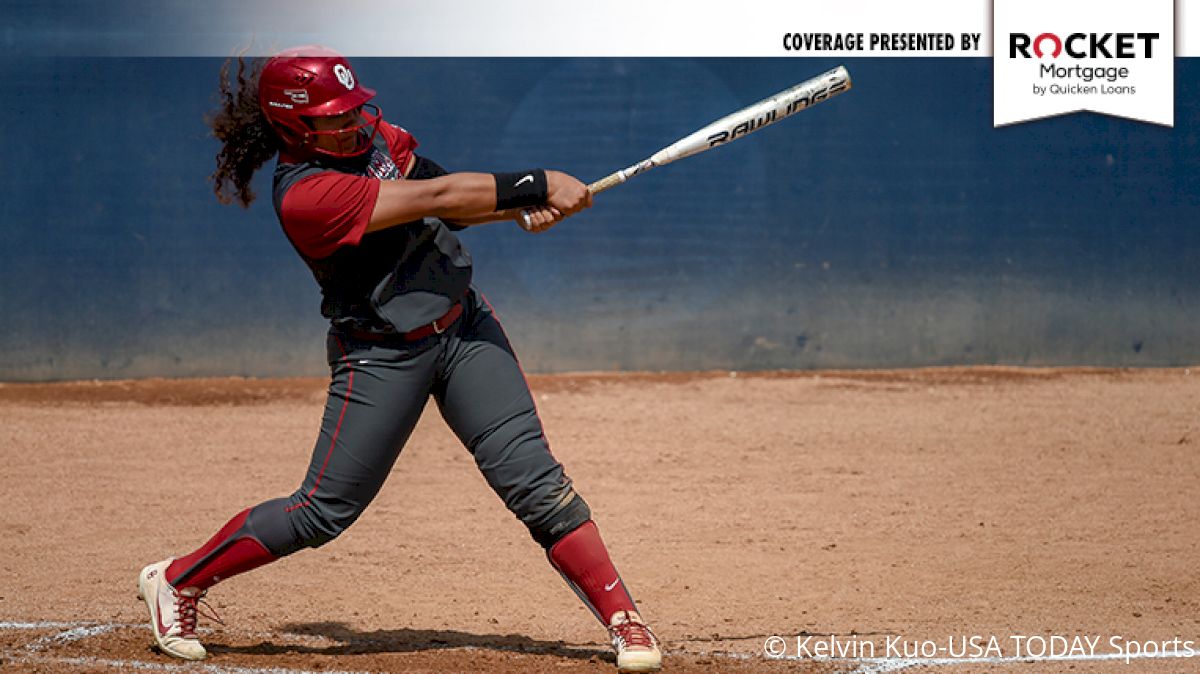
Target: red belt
{"x":437,"y":327}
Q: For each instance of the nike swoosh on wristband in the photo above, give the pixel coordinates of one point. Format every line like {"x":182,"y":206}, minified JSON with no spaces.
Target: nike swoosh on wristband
{"x":522,"y":180}
{"x":610,"y":586}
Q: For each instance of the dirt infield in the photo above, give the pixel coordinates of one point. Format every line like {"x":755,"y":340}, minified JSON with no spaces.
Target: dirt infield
{"x":853,"y":507}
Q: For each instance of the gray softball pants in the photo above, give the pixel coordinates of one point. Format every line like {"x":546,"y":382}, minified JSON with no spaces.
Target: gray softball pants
{"x":376,"y":396}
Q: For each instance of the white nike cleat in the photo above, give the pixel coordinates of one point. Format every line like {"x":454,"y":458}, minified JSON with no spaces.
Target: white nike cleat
{"x":172,"y":612}
{"x":637,"y":647}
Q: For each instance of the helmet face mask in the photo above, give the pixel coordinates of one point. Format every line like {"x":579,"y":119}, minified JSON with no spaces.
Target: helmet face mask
{"x":348,"y":140}
{"x":303,"y":84}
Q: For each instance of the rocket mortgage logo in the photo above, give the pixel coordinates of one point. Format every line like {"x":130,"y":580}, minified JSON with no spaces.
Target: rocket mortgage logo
{"x":1056,"y":58}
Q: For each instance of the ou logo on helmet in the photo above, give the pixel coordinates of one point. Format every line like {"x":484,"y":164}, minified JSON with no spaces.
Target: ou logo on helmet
{"x":344,"y":75}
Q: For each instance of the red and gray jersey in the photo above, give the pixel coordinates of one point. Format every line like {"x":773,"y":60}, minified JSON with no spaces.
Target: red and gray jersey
{"x":392,"y":280}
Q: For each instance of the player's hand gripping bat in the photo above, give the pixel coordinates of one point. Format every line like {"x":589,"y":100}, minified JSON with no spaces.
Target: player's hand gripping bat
{"x":732,"y":127}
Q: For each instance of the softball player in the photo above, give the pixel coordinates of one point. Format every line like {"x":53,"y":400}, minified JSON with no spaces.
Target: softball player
{"x":375,"y":223}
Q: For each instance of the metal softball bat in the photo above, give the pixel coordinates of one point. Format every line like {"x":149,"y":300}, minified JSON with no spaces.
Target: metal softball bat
{"x":738,"y":124}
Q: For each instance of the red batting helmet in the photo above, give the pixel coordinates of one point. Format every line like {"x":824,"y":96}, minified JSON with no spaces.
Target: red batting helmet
{"x":304,"y":82}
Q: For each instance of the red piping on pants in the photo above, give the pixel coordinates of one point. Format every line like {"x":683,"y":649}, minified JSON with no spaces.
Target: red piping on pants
{"x":333,"y":441}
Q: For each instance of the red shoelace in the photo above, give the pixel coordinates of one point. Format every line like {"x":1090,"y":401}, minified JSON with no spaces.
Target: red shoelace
{"x":632,"y":633}
{"x":188,"y":609}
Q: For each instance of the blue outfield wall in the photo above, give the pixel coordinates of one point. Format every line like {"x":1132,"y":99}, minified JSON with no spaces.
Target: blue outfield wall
{"x":890,"y":227}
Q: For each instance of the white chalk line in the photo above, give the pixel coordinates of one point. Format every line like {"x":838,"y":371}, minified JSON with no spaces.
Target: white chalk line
{"x":4,"y":625}
{"x":75,"y":632}
{"x":144,"y":665}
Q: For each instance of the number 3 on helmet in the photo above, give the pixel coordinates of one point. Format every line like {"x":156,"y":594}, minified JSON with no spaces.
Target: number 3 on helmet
{"x":301,"y":83}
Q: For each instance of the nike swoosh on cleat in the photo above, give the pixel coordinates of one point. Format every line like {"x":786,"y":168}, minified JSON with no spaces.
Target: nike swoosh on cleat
{"x":522,"y":180}
{"x":162,"y":629}
{"x":610,"y":586}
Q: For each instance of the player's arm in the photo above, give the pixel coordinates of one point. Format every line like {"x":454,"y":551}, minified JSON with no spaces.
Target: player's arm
{"x":470,"y":198}
{"x":420,"y":167}
{"x":329,"y":209}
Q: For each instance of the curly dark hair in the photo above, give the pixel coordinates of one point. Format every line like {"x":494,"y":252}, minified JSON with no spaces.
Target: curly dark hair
{"x":247,"y":140}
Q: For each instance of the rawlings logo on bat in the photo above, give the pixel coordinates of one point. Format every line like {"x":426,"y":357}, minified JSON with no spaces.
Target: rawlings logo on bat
{"x":834,"y":85}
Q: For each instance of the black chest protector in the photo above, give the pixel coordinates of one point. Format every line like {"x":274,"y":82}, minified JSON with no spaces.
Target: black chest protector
{"x":396,"y":279}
